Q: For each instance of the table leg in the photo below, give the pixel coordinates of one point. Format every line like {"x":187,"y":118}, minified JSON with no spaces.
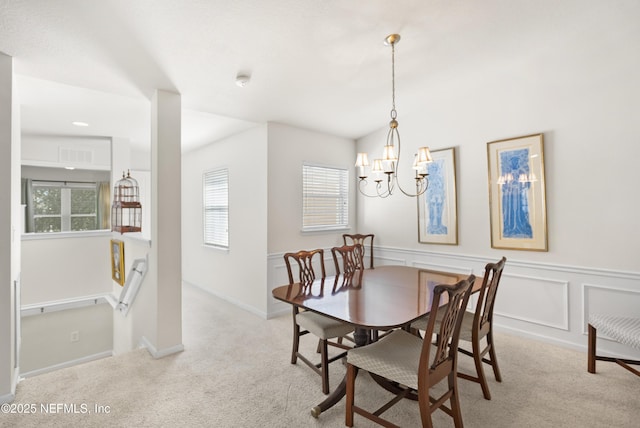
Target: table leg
{"x":361,"y":338}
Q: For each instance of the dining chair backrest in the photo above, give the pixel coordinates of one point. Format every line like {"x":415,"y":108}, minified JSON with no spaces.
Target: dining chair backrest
{"x":305,"y":260}
{"x":433,"y":368}
{"x":357,"y":238}
{"x":487,"y":297}
{"x":352,"y":259}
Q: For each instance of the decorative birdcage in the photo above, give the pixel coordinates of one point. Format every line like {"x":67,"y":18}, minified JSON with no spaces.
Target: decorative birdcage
{"x":126,"y":211}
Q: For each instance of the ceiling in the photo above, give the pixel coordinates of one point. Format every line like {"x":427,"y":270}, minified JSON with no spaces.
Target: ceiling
{"x":316,"y":64}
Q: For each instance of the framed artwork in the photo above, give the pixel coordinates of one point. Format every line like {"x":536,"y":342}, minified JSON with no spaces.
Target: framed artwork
{"x":517,"y":198}
{"x":437,"y":207}
{"x":117,"y":261}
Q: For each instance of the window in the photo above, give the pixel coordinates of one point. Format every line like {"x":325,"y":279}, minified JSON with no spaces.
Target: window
{"x":325,"y":198}
{"x":216,"y":207}
{"x":62,"y":206}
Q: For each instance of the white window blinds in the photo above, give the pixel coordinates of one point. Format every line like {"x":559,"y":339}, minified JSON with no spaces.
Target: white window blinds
{"x":216,"y":207}
{"x":325,"y":198}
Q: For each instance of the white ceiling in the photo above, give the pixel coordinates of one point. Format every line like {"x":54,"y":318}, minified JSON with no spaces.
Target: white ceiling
{"x":317,"y":64}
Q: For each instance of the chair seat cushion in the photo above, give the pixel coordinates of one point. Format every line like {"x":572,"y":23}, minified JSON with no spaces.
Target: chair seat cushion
{"x":465,"y":329}
{"x":621,"y":329}
{"x":395,"y":357}
{"x":322,"y":326}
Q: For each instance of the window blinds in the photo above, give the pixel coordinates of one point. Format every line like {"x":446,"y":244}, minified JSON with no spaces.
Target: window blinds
{"x":216,"y":207}
{"x":325,"y":200}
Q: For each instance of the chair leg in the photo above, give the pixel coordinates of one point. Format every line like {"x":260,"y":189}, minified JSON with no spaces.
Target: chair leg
{"x":482,"y":379}
{"x":324,"y":355}
{"x":351,"y":383}
{"x":591,"y":350}
{"x":296,"y":342}
{"x":492,"y":355}
{"x":425,"y":410}
{"x":455,"y":401}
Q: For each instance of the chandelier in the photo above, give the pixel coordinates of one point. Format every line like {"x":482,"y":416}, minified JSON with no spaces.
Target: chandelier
{"x":385,"y":170}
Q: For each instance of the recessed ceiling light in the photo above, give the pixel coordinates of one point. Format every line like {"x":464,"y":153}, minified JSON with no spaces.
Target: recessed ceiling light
{"x":80,"y":123}
{"x":70,"y":167}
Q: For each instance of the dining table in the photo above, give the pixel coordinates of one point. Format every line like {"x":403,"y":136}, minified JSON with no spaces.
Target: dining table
{"x":378,"y":299}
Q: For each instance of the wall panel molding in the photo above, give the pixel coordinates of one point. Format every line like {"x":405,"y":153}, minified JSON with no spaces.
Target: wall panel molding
{"x":541,"y":301}
{"x":535,"y":304}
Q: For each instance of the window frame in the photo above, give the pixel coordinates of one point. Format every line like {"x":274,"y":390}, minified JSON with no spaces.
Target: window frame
{"x":221,"y":173}
{"x":341,"y":192}
{"x":66,"y":215}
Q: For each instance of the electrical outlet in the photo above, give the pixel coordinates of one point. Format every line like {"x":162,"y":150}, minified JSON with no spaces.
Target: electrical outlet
{"x":75,"y":336}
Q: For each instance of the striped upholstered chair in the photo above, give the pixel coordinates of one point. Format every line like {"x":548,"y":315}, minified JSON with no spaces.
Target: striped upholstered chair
{"x":621,"y":329}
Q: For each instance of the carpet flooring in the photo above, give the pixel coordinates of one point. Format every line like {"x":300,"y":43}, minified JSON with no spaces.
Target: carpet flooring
{"x":235,"y":372}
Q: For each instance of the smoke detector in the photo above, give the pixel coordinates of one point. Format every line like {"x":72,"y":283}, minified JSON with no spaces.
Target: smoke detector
{"x":242,"y":80}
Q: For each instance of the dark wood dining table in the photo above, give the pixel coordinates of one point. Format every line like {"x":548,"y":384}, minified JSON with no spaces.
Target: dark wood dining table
{"x":382,"y":298}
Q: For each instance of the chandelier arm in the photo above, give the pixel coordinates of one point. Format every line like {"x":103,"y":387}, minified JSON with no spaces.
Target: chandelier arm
{"x":395,"y":172}
{"x":377,"y":195}
{"x":389,"y":190}
{"x":421,"y":186}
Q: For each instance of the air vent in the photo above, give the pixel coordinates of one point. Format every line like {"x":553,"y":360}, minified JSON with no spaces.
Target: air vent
{"x":67,"y":155}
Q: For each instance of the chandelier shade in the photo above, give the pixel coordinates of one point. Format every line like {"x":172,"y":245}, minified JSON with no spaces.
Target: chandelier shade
{"x":388,"y":163}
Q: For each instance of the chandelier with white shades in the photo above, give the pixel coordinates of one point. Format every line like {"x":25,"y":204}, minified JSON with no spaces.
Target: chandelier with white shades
{"x":385,"y":168}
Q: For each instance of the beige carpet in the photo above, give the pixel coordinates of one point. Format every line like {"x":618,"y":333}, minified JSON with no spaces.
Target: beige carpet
{"x":235,"y":372}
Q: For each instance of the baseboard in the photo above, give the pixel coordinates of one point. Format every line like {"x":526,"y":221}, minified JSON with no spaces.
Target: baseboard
{"x":234,"y":302}
{"x":7,"y":398}
{"x":66,"y":364}
{"x":145,"y":343}
{"x":276,"y":314}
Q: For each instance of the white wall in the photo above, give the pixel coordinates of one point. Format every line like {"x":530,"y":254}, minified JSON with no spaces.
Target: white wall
{"x":289,"y":148}
{"x":129,"y":330}
{"x":582,"y":92}
{"x":48,"y":343}
{"x":57,"y":151}
{"x":9,"y":228}
{"x":62,"y":268}
{"x":265,"y":166}
{"x":239,"y":274}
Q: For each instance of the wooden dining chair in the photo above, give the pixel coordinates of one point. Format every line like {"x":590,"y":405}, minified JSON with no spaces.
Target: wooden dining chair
{"x":352,"y":257}
{"x":351,"y":239}
{"x":412,"y":364}
{"x":305,"y":322}
{"x":478,"y":325}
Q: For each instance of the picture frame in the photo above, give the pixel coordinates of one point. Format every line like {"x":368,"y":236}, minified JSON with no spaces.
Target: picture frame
{"x":117,"y":261}
{"x":437,"y":206}
{"x":517,"y":195}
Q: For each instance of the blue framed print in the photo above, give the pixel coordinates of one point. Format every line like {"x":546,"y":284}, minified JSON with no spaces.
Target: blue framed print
{"x":437,"y":206}
{"x":517,"y":197}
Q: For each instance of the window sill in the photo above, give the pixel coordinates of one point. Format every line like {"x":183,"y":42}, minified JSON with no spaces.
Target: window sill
{"x":216,"y":248}
{"x":65,"y":235}
{"x":325,"y":230}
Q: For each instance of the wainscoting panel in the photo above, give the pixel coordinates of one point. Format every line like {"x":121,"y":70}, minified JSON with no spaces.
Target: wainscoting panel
{"x":534,"y":300}
{"x":55,"y":338}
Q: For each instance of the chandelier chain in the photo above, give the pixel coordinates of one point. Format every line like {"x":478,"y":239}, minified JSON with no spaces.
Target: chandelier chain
{"x":394,"y":114}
